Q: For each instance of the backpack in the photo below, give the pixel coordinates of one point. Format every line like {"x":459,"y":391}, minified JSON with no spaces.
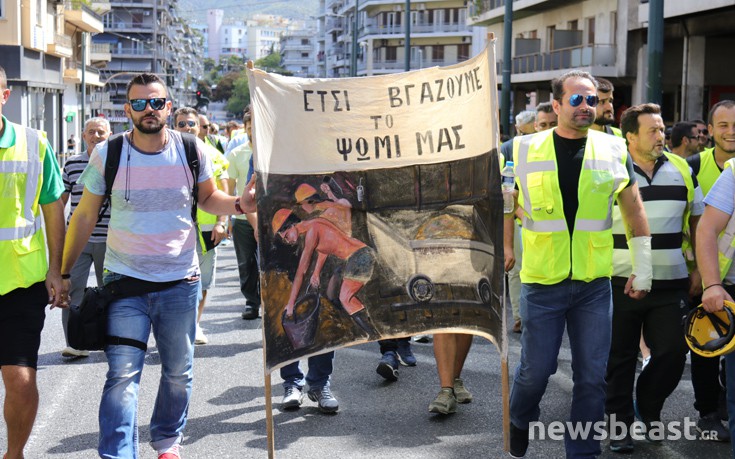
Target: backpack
{"x":112,"y":164}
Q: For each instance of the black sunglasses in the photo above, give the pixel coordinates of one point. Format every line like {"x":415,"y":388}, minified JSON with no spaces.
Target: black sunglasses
{"x":204,"y":126}
{"x":157,"y":103}
{"x":182,"y":124}
{"x":575,"y":100}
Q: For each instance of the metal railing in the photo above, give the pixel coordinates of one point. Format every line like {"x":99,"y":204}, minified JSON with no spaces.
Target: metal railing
{"x":81,"y":5}
{"x":100,"y":48}
{"x":375,"y":29}
{"x":567,"y":58}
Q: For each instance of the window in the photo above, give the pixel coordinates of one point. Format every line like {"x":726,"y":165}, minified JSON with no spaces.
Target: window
{"x":550,"y":37}
{"x":391,"y":53}
{"x":2,"y":9}
{"x":573,"y":25}
{"x":463,"y":52}
{"x":614,"y":27}
{"x":437,"y":53}
{"x":305,"y":41}
{"x":591,"y":31}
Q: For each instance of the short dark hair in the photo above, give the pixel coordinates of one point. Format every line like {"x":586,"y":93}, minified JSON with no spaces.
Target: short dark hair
{"x":3,"y":79}
{"x":144,"y":79}
{"x":679,"y":131}
{"x":557,"y":84}
{"x":604,"y":85}
{"x":722,"y":103}
{"x":545,"y":107}
{"x":629,"y":120}
{"x":184,"y":111}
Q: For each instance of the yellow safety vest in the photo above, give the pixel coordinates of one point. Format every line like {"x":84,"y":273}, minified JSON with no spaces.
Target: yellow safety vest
{"x":726,"y":239}
{"x":22,"y":244}
{"x":549,"y":254}
{"x":708,"y":170}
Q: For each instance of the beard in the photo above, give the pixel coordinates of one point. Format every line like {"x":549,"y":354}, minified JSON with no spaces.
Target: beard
{"x":149,"y":129}
{"x":605,"y":120}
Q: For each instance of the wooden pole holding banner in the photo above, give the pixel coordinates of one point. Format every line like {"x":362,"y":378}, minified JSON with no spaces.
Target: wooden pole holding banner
{"x":266,"y":375}
{"x":504,"y":376}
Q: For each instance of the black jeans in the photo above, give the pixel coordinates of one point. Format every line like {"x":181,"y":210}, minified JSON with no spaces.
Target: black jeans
{"x":246,"y":251}
{"x":660,"y":315}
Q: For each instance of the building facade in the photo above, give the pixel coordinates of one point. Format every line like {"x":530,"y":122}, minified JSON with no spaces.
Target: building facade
{"x":45,"y":50}
{"x":146,"y":36}
{"x":299,"y":52}
{"x":440,"y":35}
{"x":608,"y":38}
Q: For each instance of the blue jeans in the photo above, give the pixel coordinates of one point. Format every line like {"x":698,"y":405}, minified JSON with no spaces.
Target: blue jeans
{"x":320,"y":368}
{"x":730,"y":377}
{"x":171,"y":313}
{"x":586,"y":310}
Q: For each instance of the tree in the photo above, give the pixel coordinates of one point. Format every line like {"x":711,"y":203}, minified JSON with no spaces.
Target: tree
{"x":225,"y":86}
{"x":271,"y":63}
{"x":205,"y":88}
{"x":240,"y":98}
{"x":209,"y":64}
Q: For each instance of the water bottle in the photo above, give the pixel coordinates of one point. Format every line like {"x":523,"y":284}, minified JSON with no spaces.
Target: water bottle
{"x":507,"y":183}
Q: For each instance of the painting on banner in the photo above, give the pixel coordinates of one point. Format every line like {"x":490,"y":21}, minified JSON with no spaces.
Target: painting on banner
{"x":379,"y":207}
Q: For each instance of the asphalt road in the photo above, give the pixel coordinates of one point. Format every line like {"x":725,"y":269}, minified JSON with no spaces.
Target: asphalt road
{"x":376,"y":419}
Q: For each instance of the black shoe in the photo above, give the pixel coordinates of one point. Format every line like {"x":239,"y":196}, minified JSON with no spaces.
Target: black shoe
{"x":250,"y":312}
{"x":388,"y":366}
{"x":710,"y":428}
{"x":622,"y":445}
{"x":518,"y":441}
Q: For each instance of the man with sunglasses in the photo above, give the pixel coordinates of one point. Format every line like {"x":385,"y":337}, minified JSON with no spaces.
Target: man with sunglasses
{"x":212,"y":228}
{"x":704,"y":134}
{"x":569,"y":178}
{"x":208,"y":138}
{"x":31,"y":186}
{"x":605,"y":112}
{"x":151,"y":238}
{"x":684,"y":139}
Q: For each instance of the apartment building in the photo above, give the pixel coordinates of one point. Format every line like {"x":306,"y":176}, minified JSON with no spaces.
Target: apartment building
{"x":146,"y":36}
{"x":440,"y":35}
{"x":298,"y":52}
{"x":608,"y":38}
{"x":41,"y":47}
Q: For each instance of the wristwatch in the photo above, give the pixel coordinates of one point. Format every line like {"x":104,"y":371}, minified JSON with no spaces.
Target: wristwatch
{"x":223,"y":225}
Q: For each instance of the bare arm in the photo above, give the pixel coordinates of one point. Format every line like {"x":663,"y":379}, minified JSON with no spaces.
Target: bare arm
{"x":633,"y":213}
{"x":65,"y":197}
{"x":53,"y":215}
{"x":218,"y":202}
{"x":508,"y":239}
{"x":81,"y":225}
{"x":712,"y":222}
{"x":320,"y":259}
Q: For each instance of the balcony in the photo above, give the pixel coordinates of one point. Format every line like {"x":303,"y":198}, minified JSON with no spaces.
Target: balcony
{"x":129,"y":26}
{"x":568,"y":58}
{"x":73,"y":74}
{"x":100,"y":101}
{"x":132,"y":52}
{"x":398,"y":65}
{"x":82,"y":16}
{"x":100,"y":52}
{"x":101,"y":7}
{"x":489,"y":12}
{"x":61,"y":47}
{"x":372,"y":28}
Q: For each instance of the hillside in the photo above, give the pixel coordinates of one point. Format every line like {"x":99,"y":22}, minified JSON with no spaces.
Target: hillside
{"x":293,"y":9}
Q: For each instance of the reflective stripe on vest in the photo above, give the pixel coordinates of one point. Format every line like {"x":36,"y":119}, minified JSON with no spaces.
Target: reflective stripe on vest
{"x":32,"y":169}
{"x":549,"y":253}
{"x":21,"y":241}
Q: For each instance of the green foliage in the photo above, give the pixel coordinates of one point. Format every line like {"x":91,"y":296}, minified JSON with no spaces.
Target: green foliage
{"x":225,"y":85}
{"x":240,"y":98}
{"x":209,"y":64}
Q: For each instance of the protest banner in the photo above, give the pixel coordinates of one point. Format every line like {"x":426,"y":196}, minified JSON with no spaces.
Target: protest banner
{"x":379,"y":207}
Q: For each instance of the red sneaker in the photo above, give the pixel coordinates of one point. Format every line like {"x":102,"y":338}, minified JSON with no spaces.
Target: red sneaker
{"x":173,"y":452}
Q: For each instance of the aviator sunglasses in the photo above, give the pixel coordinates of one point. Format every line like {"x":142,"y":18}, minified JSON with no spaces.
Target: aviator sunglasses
{"x":191,"y":123}
{"x":157,"y":103}
{"x":575,"y":100}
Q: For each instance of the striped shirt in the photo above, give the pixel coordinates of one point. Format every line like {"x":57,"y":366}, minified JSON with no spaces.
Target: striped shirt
{"x":665,"y":200}
{"x":73,"y":168}
{"x":151,"y":234}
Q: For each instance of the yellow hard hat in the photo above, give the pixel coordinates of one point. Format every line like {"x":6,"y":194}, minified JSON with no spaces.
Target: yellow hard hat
{"x":711,"y":334}
{"x":279,"y":218}
{"x":304,"y":192}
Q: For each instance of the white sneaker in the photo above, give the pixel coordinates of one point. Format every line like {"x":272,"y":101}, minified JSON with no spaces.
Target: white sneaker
{"x":292,"y":398}
{"x":73,"y":353}
{"x":200,"y":337}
